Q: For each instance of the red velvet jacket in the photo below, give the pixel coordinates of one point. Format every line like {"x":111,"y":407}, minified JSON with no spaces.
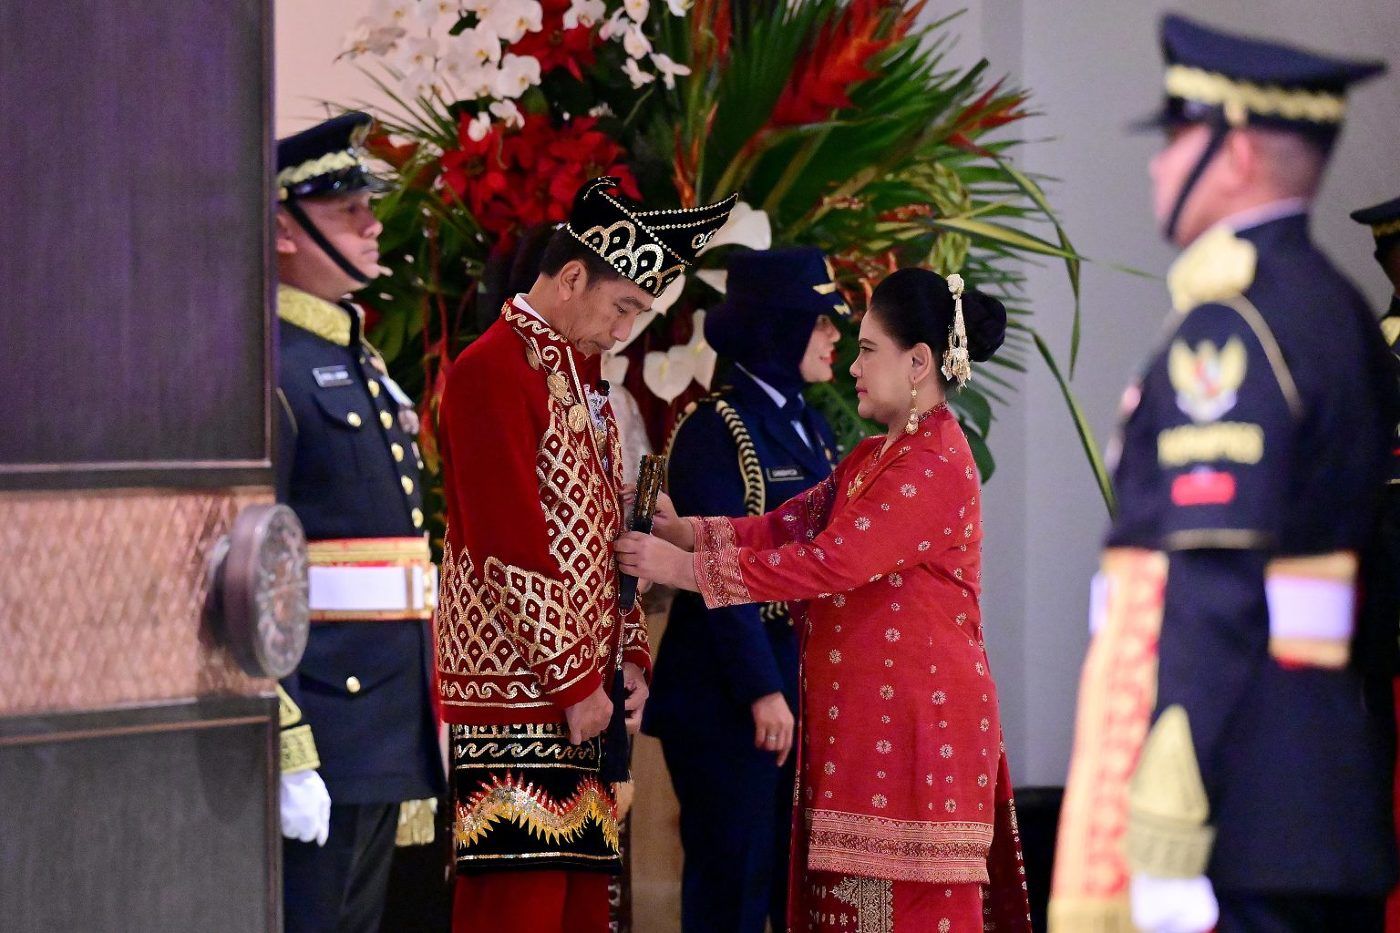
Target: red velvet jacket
{"x":528,"y":620}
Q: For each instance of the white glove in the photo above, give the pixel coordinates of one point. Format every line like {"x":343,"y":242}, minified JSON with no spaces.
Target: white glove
{"x":306,"y":807}
{"x":1173,"y":905}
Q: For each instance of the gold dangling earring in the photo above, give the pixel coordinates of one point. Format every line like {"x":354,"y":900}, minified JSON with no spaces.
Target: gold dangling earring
{"x":912,"y":424}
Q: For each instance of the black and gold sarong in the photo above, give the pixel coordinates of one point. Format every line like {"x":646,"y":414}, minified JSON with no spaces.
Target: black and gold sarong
{"x":524,"y":798}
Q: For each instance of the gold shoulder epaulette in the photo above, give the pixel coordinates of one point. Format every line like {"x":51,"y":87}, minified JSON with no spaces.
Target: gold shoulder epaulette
{"x":1217,"y":267}
{"x":322,"y":318}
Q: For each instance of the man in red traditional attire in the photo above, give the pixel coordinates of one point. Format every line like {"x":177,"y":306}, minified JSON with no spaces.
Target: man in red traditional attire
{"x":538,"y":661}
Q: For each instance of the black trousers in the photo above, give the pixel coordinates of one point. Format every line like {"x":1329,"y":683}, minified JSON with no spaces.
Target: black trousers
{"x":1302,"y":913}
{"x":340,"y":887}
{"x":736,"y":811}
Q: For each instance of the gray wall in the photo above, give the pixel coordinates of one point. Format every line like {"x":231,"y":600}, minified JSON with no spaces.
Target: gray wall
{"x":1093,"y":66}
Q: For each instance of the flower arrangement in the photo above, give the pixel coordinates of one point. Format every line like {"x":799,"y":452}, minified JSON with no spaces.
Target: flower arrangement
{"x":838,"y":122}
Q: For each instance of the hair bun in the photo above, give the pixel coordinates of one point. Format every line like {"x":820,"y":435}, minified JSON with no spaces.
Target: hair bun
{"x":985,"y":320}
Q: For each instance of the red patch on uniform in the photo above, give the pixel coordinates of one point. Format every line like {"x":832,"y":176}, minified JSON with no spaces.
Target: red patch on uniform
{"x":1203,"y":487}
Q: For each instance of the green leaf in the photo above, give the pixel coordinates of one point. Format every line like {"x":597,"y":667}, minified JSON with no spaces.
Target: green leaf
{"x":1081,"y":426}
{"x":972,"y":404}
{"x":997,"y":233}
{"x":981,"y":453}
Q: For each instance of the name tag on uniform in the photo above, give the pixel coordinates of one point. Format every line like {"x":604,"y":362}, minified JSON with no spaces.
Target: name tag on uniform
{"x":328,"y":377}
{"x":778,"y":474}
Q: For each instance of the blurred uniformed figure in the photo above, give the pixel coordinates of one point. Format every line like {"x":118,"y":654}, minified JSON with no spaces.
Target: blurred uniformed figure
{"x":359,"y":733}
{"x":1229,"y":740}
{"x":1381,"y":575}
{"x":726,"y":679}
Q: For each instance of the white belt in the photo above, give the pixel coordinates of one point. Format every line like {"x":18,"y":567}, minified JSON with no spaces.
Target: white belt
{"x":374,"y":579}
{"x":1312,"y":609}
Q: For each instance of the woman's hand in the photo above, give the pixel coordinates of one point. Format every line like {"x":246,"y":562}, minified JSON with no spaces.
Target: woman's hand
{"x":647,"y":557}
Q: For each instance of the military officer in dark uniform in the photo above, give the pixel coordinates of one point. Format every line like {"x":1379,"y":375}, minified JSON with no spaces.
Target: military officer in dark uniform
{"x":1381,"y":573}
{"x":724,"y":689}
{"x":359,"y":732}
{"x":1384,"y":222}
{"x":1252,"y":452}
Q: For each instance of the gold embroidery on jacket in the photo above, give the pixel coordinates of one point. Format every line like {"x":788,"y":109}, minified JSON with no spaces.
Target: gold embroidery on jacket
{"x":491,"y":627}
{"x":472,"y":643}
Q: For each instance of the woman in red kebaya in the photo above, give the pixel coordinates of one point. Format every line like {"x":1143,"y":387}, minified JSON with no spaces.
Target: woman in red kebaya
{"x":905,"y":819}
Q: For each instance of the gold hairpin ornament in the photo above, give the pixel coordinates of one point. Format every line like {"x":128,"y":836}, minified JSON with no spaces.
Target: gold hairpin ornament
{"x":957,"y":364}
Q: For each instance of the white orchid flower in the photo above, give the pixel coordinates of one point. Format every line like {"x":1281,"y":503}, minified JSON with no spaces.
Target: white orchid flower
{"x":479,"y":126}
{"x":668,"y":68}
{"x":371,"y":37}
{"x":667,"y":374}
{"x":718,"y":279}
{"x":637,"y":76}
{"x":745,"y":227}
{"x":476,"y":81}
{"x":512,"y":19}
{"x":518,"y":73}
{"x":584,"y":13}
{"x":423,"y":83}
{"x":703,"y":356}
{"x":615,"y":367}
{"x":478,"y":45}
{"x":393,"y":12}
{"x":637,"y":9}
{"x":508,"y":113}
{"x":419,"y":53}
{"x":678,"y":7}
{"x":615,"y":27}
{"x":430,"y":11}
{"x":636,"y":42}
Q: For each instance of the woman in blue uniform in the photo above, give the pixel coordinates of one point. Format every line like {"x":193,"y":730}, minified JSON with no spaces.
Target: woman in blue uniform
{"x":725,"y":683}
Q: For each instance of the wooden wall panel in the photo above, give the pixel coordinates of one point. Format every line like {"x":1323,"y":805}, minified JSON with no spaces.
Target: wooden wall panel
{"x":134,"y":255}
{"x":151,"y":819}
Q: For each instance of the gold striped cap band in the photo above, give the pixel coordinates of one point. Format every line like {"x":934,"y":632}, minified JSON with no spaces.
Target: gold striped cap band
{"x":339,"y":552}
{"x":1240,"y":98}
{"x":1389,"y":228}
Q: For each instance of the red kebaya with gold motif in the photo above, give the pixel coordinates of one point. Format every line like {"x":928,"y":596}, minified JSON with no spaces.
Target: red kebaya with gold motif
{"x":902,"y":775}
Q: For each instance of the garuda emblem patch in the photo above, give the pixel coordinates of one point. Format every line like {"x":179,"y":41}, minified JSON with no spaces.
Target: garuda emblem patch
{"x":1207,"y":379}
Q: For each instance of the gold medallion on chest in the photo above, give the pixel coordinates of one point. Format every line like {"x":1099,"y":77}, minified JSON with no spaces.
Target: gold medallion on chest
{"x":578,"y":418}
{"x":558,"y":385}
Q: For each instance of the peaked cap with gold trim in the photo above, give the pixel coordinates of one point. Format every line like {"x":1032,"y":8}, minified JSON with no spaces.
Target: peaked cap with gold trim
{"x":1214,"y":76}
{"x":1384,"y":221}
{"x":650,"y":247}
{"x":326,"y":159}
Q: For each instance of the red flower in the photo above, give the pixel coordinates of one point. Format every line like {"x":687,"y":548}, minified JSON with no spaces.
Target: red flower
{"x":986,"y":113}
{"x":512,"y":180}
{"x":556,"y":46}
{"x":382,"y":147}
{"x":822,"y":78}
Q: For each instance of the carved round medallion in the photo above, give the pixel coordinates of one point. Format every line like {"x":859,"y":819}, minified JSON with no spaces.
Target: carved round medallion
{"x":259,"y":593}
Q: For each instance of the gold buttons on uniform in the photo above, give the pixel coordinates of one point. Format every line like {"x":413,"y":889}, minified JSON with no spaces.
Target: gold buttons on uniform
{"x":386,"y":419}
{"x":374,"y":387}
{"x":352,"y":683}
{"x":417,"y":518}
{"x":397,"y":451}
{"x":354,"y":420}
{"x":407,"y":485}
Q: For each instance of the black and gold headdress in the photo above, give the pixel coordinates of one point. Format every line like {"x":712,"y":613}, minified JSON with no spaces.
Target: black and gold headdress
{"x":650,"y":247}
